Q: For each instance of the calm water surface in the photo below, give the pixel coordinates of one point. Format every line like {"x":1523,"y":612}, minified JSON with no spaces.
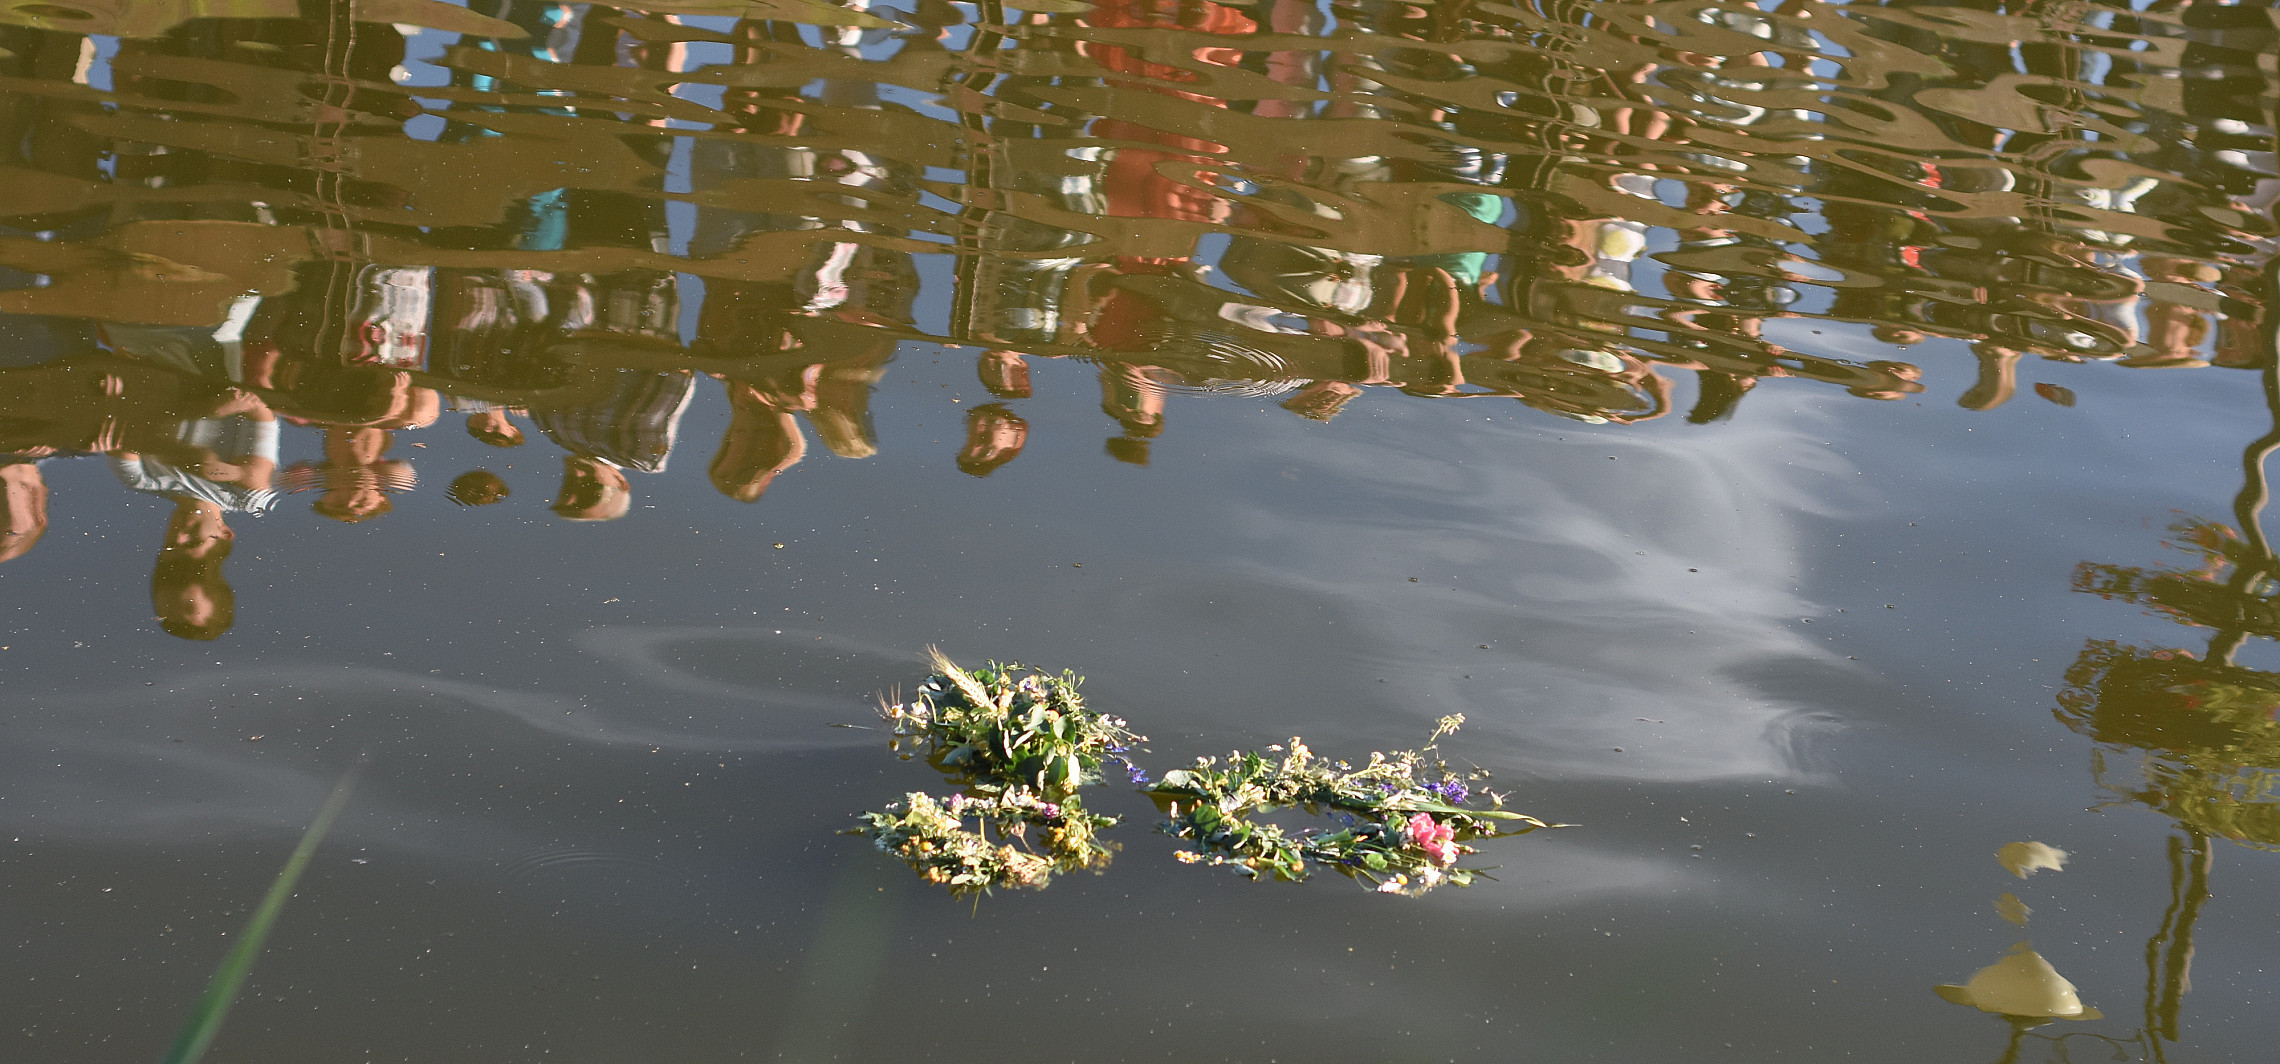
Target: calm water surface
{"x":1814,"y":444}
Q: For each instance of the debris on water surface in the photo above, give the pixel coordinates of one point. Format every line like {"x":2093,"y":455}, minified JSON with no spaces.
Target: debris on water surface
{"x":2022,"y":984}
{"x":1019,"y":743}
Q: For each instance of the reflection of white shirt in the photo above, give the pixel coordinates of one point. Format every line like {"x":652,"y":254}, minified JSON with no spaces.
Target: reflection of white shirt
{"x":234,"y":438}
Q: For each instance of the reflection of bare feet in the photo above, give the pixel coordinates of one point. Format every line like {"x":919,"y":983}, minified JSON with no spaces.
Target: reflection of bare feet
{"x":2163,"y":360}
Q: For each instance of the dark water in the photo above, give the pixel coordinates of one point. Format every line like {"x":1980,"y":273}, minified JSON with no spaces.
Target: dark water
{"x":1883,"y":487}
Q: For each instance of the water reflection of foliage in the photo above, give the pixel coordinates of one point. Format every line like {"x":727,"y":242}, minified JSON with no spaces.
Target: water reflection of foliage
{"x":2200,"y":738}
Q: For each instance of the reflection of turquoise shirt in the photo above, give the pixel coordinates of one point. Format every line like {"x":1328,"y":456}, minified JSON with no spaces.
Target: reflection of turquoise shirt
{"x":1466,"y":266}
{"x":545,"y":224}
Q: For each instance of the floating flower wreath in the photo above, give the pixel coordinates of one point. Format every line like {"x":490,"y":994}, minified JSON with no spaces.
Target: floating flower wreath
{"x":1406,"y":822}
{"x":1019,"y":743}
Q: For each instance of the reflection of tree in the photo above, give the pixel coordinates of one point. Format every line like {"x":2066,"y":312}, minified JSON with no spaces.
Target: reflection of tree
{"x":2194,"y":737}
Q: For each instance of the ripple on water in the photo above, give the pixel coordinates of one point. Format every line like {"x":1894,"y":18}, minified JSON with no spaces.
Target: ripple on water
{"x":607,"y":896}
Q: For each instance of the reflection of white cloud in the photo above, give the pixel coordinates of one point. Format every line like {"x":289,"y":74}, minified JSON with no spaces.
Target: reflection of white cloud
{"x":148,"y":762}
{"x":647,"y":653}
{"x":1614,"y":575}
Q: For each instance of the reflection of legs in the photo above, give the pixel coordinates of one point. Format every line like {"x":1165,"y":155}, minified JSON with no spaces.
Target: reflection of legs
{"x":761,"y":442}
{"x":1998,"y":378}
{"x":842,"y":411}
{"x":357,"y":475}
{"x":1425,"y":298}
{"x":1716,"y":395}
{"x":23,"y":508}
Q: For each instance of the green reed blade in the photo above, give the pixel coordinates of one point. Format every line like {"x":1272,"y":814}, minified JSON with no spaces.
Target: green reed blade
{"x":206,"y":1019}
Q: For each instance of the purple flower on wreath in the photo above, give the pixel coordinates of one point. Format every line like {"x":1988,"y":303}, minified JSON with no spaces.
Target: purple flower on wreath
{"x":1453,"y":792}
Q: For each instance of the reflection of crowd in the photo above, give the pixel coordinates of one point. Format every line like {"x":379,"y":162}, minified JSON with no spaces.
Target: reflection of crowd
{"x":1576,"y":211}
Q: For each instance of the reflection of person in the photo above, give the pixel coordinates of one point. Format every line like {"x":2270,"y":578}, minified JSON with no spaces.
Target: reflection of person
{"x":23,"y":507}
{"x":187,"y":590}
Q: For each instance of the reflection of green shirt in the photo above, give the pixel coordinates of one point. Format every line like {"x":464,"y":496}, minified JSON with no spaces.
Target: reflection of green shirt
{"x":1466,"y":266}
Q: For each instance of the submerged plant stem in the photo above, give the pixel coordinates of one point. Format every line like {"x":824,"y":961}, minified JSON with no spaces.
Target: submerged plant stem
{"x":206,"y":1018}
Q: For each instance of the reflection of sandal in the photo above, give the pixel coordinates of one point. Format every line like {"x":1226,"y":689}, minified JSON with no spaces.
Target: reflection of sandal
{"x":2155,"y":360}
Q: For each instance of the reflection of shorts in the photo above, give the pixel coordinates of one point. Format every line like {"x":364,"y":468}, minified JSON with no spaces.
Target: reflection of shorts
{"x":36,"y":339}
{"x":1316,"y":277}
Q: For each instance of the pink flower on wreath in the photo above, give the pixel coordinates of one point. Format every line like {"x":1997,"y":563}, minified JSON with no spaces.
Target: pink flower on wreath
{"x":1438,"y":840}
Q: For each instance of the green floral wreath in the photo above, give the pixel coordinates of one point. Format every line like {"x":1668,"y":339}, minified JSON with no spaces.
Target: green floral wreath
{"x":1403,"y":832}
{"x":1018,"y":743}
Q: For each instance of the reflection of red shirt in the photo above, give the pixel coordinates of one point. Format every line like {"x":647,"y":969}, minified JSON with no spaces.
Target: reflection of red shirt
{"x":1127,"y":321}
{"x":1133,"y":186}
{"x":1175,"y":14}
